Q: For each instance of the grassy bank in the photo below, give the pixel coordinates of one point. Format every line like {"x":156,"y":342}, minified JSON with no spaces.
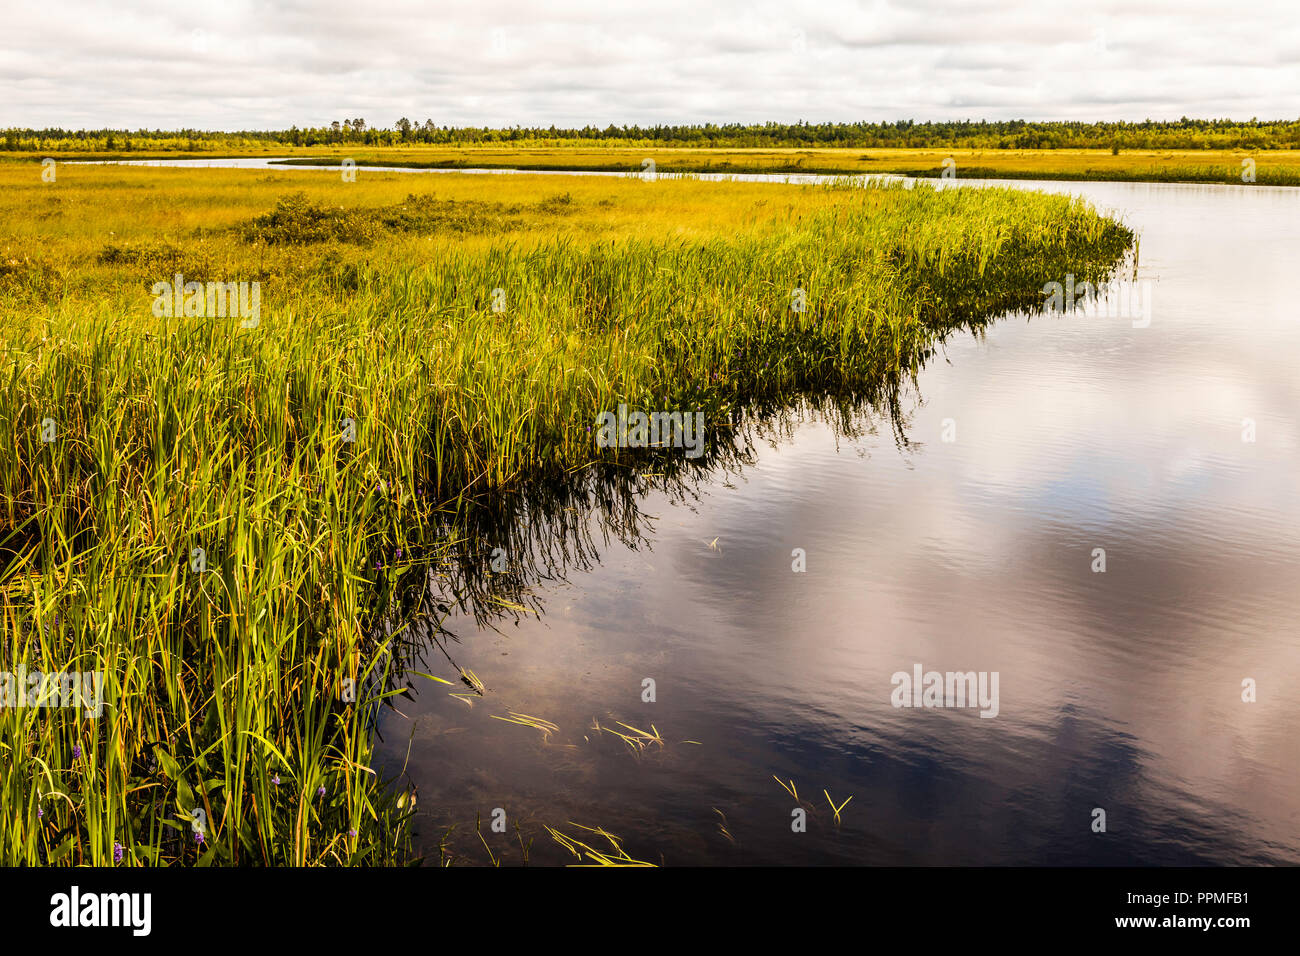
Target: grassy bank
{"x":1274,"y":168}
{"x":214,"y":512}
{"x":1271,"y":167}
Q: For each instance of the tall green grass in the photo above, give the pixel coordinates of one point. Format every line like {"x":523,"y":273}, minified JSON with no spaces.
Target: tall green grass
{"x":224,"y":684}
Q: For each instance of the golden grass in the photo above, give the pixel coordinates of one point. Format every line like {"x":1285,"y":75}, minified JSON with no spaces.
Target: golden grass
{"x":1218,"y":165}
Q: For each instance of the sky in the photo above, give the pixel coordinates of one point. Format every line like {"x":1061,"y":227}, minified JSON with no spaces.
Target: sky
{"x":235,"y":64}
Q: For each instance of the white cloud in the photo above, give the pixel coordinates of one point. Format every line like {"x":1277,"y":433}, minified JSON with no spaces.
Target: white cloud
{"x":574,"y":62}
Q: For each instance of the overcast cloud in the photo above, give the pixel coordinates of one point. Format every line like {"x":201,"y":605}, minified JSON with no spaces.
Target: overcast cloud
{"x":260,"y":65}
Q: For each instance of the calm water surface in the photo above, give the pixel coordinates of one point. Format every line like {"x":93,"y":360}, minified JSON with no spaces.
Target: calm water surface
{"x":1119,"y":690}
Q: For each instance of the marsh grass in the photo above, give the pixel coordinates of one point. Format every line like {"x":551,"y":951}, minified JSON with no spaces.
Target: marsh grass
{"x":1228,"y":174}
{"x":296,"y":220}
{"x":1274,"y":167}
{"x":225,"y":684}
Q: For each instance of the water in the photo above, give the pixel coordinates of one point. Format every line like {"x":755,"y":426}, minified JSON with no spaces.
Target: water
{"x":1119,"y":690}
{"x":274,"y":162}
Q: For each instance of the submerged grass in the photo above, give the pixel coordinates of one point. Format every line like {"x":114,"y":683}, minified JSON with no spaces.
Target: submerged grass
{"x":537,"y":723}
{"x":635,"y":740}
{"x":201,"y":526}
{"x":581,"y":850}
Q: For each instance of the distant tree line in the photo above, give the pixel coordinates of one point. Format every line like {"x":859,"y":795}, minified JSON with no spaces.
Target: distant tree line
{"x":965,"y":134}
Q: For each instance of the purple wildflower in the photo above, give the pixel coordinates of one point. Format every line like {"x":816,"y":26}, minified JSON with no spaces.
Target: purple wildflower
{"x":198,"y":837}
{"x":76,"y":751}
{"x":352,"y":833}
{"x":320,"y":791}
{"x":117,"y":853}
{"x":275,"y":779}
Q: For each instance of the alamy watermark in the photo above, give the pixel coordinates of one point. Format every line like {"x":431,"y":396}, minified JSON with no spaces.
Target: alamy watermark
{"x":1116,"y":299}
{"x":240,"y":300}
{"x":950,"y":689}
{"x":59,"y":689}
{"x":651,"y":430}
{"x":128,"y":910}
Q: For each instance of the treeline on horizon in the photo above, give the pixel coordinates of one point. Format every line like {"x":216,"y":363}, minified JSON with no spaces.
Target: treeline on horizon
{"x":965,"y":134}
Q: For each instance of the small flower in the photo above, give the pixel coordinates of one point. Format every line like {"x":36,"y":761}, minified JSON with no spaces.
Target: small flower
{"x":198,"y":837}
{"x":399,"y":552}
{"x":117,"y":853}
{"x":320,"y":791}
{"x":352,"y":833}
{"x":76,"y":751}
{"x":39,"y":813}
{"x":275,"y":779}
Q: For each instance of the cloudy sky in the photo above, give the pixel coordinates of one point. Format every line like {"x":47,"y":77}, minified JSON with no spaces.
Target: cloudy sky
{"x":238,"y":64}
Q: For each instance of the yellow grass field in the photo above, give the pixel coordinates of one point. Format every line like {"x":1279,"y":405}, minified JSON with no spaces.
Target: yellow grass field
{"x":1276,"y":167}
